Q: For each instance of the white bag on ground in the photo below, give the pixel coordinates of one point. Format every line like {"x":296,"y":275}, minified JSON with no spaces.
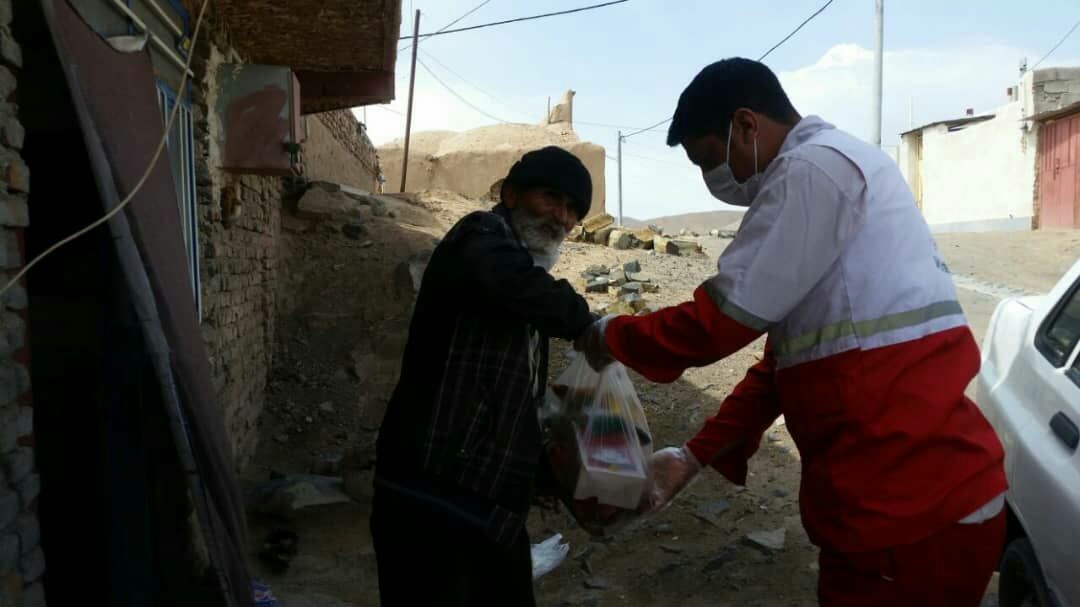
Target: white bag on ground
{"x":548,"y":554}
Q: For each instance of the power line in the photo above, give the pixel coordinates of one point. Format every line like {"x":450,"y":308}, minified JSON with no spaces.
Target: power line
{"x":466,"y":81}
{"x":1060,"y":42}
{"x":518,"y":20}
{"x":455,"y":93}
{"x":796,"y":30}
{"x":767,"y":53}
{"x":388,"y":109}
{"x":452,"y":23}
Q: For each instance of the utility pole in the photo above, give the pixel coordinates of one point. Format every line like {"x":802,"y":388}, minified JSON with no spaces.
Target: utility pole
{"x":412,"y":86}
{"x":619,"y":162}
{"x":879,"y":60}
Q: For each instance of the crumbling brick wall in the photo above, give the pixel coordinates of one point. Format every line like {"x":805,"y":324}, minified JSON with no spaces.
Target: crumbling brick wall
{"x":22,"y":561}
{"x":239,"y":226}
{"x":337,"y":149}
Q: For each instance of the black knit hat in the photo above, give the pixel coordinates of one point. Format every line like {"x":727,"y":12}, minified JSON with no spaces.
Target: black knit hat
{"x":555,"y":168}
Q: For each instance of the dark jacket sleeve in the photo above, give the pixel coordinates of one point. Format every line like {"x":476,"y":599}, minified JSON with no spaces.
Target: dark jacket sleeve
{"x":496,"y":274}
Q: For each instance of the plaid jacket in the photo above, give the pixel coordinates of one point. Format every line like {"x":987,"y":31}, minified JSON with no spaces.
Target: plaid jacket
{"x":461,"y":432}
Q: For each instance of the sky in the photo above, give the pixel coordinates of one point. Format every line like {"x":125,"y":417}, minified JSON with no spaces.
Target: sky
{"x":629,"y":62}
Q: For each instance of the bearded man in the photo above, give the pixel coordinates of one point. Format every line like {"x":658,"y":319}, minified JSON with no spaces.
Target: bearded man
{"x":460,"y":447}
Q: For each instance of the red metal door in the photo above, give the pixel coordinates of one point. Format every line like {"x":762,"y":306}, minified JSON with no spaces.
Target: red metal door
{"x":1059,"y":147}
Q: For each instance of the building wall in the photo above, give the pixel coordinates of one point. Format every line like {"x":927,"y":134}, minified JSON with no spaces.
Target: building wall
{"x":22,"y":561}
{"x":979,"y":178}
{"x":239,"y":226}
{"x":477,"y":161}
{"x":338,"y":150}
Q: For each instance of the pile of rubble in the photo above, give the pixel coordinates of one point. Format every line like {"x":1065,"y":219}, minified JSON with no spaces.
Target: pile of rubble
{"x":601,"y":230}
{"x":626,"y":283}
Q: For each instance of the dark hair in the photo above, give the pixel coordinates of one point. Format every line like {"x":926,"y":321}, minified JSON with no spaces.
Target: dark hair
{"x":555,"y":168}
{"x":708,"y":104}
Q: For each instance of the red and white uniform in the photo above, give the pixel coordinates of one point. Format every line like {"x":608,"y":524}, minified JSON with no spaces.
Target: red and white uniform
{"x":868,"y":351}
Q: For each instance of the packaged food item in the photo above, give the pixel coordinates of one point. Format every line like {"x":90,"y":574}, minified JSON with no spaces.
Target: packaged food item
{"x":598,"y":444}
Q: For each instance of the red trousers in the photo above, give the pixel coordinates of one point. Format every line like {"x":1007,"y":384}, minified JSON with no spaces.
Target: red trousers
{"x":951,"y":568}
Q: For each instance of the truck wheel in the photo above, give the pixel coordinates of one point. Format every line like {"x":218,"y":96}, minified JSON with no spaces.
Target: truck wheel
{"x":1021,"y":583}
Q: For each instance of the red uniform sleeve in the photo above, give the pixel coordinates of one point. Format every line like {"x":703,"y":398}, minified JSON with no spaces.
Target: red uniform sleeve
{"x":663,"y":344}
{"x":729,"y":438}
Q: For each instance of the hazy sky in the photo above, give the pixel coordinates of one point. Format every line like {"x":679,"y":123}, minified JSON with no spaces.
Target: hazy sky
{"x":629,"y":62}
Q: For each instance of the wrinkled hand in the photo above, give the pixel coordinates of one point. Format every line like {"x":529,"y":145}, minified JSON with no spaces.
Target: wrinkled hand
{"x":591,"y":343}
{"x":672,"y":470}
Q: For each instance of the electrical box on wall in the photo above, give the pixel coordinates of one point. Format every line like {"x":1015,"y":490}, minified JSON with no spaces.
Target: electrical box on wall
{"x":258,"y":109}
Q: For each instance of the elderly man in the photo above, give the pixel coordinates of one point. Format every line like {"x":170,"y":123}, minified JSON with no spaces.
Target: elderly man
{"x":460,"y":447}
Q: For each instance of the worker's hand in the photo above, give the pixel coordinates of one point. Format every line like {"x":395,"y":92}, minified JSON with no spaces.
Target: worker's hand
{"x":591,"y":343}
{"x":671,"y":470}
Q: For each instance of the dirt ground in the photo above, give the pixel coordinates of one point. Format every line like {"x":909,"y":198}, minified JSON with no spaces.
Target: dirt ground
{"x":340,"y":350}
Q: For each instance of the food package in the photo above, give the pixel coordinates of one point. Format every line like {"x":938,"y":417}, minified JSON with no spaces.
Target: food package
{"x":598,"y":444}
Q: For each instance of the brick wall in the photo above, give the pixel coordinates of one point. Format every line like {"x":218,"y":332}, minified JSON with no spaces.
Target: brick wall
{"x":337,"y":149}
{"x":22,"y":561}
{"x":239,"y":224}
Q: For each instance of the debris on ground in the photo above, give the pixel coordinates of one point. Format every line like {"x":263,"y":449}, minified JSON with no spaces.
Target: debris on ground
{"x":768,"y":541}
{"x":286,"y":497}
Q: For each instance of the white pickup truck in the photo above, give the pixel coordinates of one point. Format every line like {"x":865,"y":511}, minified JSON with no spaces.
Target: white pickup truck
{"x":1029,"y":389}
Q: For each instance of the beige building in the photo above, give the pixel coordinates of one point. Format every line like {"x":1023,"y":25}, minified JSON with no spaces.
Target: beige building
{"x":473,"y":163}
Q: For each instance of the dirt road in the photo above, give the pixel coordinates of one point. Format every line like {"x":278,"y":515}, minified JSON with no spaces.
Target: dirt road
{"x":696,"y":552}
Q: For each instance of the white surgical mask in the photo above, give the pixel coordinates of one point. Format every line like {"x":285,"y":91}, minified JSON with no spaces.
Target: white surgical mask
{"x":723,"y":185}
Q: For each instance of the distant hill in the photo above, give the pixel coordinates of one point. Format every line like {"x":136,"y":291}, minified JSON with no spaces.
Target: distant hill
{"x":697,"y":222}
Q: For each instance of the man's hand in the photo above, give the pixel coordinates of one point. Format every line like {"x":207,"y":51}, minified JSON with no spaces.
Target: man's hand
{"x":672,"y":470}
{"x":591,"y":343}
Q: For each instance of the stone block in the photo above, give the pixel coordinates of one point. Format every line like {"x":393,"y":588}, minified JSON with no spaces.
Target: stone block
{"x":597,"y":223}
{"x":29,"y":489}
{"x":7,"y":83}
{"x":32,"y":565}
{"x":9,"y":48}
{"x":9,"y":505}
{"x":9,"y":552}
{"x":632,"y":267}
{"x":29,"y":532}
{"x":599,"y":285}
{"x":18,"y":464}
{"x":603,"y":235}
{"x":15,"y":297}
{"x":18,"y":174}
{"x":621,"y":240}
{"x":12,"y":133}
{"x":5,"y":12}
{"x":682,"y":248}
{"x":10,"y":256}
{"x":1056,"y":86}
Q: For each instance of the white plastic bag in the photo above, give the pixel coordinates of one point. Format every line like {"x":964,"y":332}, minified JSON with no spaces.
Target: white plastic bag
{"x":548,"y":554}
{"x":598,"y":442}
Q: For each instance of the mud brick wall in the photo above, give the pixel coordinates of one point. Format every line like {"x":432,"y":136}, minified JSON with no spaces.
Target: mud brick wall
{"x":22,"y":561}
{"x":239,"y":227}
{"x":337,"y":149}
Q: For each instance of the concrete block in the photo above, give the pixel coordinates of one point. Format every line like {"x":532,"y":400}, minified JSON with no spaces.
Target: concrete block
{"x":1055,"y":86}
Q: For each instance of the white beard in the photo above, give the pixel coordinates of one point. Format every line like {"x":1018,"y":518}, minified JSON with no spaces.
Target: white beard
{"x":539,"y":237}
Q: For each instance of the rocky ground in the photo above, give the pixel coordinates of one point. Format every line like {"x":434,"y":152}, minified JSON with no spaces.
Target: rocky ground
{"x":337,"y":363}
